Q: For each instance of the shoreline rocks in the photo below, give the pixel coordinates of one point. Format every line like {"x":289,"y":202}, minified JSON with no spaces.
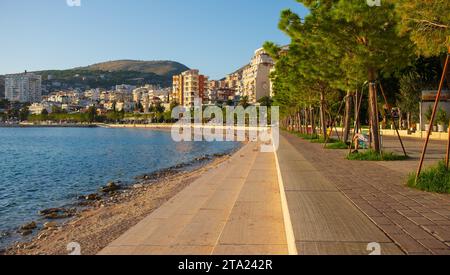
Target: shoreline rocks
{"x":27,"y":229}
{"x":25,"y":233}
{"x":57,"y":213}
{"x":92,"y":197}
{"x":50,"y":225}
{"x":167,"y":172}
{"x":110,"y":187}
{"x":29,"y":226}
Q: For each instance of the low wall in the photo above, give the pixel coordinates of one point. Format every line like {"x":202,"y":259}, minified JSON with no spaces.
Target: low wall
{"x":404,"y":133}
{"x":420,"y":135}
{"x":169,"y":126}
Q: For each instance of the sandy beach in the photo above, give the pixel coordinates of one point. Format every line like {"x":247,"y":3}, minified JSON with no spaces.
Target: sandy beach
{"x":107,"y":219}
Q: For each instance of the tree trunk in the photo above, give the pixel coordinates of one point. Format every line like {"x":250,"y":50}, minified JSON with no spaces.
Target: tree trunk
{"x":401,"y":120}
{"x":305,"y":121}
{"x":374,"y":112}
{"x":312,"y":118}
{"x":300,"y":122}
{"x":357,"y":99}
{"x":323,"y":119}
{"x":290,"y":123}
{"x":347,"y":120}
{"x":408,"y":118}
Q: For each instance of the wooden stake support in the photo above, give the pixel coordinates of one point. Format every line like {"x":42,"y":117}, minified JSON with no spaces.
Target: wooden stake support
{"x":356,"y":129}
{"x":333,"y":122}
{"x":393,"y":120}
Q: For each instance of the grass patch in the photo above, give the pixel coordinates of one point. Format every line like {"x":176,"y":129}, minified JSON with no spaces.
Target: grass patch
{"x":322,"y":140}
{"x":314,"y":138}
{"x":307,"y":136}
{"x":371,"y":155}
{"x":434,"y":179}
{"x":337,"y":145}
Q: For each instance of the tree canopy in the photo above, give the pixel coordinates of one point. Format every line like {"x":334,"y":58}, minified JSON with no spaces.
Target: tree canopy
{"x":428,"y":23}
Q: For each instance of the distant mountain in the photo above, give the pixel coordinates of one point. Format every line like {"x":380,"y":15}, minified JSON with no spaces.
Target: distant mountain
{"x":163,"y":68}
{"x":107,"y":74}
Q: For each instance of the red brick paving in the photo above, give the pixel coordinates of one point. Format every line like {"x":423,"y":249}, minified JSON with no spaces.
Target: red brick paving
{"x":419,"y":222}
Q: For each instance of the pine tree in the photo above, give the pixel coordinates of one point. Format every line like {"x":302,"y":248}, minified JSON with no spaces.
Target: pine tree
{"x":317,"y":60}
{"x":369,"y":41}
{"x":428,"y":23}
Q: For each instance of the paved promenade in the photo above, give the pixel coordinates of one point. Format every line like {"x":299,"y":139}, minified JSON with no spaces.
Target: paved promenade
{"x":232,"y":209}
{"x":323,"y":220}
{"x":337,"y":205}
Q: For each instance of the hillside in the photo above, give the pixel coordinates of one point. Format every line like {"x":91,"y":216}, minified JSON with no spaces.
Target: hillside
{"x":163,"y":68}
{"x":107,"y":74}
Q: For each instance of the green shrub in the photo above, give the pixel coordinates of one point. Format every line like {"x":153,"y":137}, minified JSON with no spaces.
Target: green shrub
{"x":442,"y":117}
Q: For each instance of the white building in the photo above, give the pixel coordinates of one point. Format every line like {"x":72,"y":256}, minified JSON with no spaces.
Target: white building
{"x":256,"y":76}
{"x":125,"y":88}
{"x":59,"y":98}
{"x":139,"y":94}
{"x":37,"y":108}
{"x":125,"y":106}
{"x":26,"y":87}
{"x":93,"y":94}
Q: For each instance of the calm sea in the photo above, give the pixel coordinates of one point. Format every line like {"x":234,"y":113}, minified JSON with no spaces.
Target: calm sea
{"x":50,"y":167}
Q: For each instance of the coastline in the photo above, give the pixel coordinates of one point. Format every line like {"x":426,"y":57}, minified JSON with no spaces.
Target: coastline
{"x":155,"y":126}
{"x":137,"y":126}
{"x":48,"y":126}
{"x":102,"y":221}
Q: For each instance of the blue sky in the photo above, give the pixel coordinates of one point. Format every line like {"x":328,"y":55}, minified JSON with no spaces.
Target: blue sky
{"x":215,"y":36}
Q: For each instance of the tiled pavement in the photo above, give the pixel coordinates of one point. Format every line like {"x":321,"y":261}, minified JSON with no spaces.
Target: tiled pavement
{"x":418,"y":222}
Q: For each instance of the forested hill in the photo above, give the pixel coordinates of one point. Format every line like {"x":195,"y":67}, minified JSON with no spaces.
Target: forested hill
{"x":108,"y":74}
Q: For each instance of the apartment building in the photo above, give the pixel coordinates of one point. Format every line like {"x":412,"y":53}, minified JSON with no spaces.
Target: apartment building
{"x":256,"y":76}
{"x":26,"y":87}
{"x":188,"y":87}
